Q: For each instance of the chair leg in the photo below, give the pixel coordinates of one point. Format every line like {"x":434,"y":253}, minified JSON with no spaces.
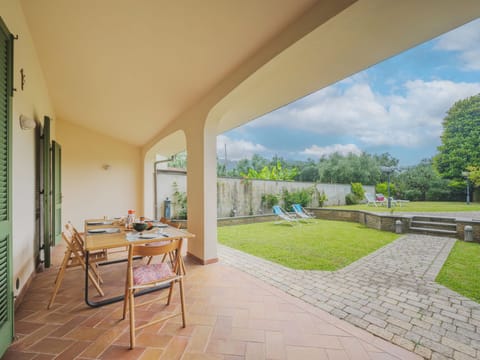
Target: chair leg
{"x":59,"y":278}
{"x":94,"y":268}
{"x":182,"y":301}
{"x":182,"y":264}
{"x":65,"y":260}
{"x":170,"y":293}
{"x":90,"y":275}
{"x":95,"y":283}
{"x":126,"y":298}
{"x":131,"y":311}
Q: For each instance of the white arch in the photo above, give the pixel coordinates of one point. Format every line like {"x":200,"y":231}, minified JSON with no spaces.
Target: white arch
{"x":163,"y":149}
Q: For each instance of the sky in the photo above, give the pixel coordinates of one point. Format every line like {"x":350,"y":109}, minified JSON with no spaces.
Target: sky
{"x":396,"y":106}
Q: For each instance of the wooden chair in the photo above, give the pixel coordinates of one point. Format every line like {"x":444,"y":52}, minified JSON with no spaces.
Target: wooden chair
{"x":177,"y":226}
{"x":74,"y":257}
{"x":153,"y":275}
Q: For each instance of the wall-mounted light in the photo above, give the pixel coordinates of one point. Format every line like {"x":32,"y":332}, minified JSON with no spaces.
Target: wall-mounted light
{"x":27,"y":123}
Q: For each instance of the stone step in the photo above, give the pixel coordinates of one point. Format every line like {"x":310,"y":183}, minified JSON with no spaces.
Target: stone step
{"x":434,"y":225}
{"x":430,"y":231}
{"x":433,"y":219}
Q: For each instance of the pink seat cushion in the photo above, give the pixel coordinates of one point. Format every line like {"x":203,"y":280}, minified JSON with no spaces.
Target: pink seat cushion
{"x":144,"y":274}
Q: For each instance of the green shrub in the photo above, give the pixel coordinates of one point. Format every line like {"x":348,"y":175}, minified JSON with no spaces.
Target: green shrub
{"x":322,"y":197}
{"x":358,"y":191}
{"x":382,"y":188}
{"x":413,"y":195}
{"x":351,"y":199}
{"x":179,"y":202}
{"x":269,"y":200}
{"x":302,"y":197}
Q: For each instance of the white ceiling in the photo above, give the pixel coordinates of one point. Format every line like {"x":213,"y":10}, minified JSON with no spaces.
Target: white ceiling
{"x":128,"y":67}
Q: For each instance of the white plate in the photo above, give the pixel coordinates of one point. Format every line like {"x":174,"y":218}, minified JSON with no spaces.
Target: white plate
{"x":97,"y":231}
{"x":100,"y":223}
{"x":161,"y":225}
{"x":148,"y":236}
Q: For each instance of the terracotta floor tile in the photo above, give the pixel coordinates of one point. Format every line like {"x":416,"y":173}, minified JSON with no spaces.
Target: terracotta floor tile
{"x":119,"y":352}
{"x":146,"y":339}
{"x":306,"y":353}
{"x":27,"y":327}
{"x":222,"y":328}
{"x":354,"y":348}
{"x":69,"y":326}
{"x":264,"y":324}
{"x":246,"y":334}
{"x":85,"y":333}
{"x":51,"y":345}
{"x":320,"y":341}
{"x":176,"y":348}
{"x":227,"y":347}
{"x":152,"y":354}
{"x":201,"y":356}
{"x":73,"y":350}
{"x":44,"y":357}
{"x":18,"y":355}
{"x":31,"y":339}
{"x":382,"y":356}
{"x":274,"y":345}
{"x":337,"y":354}
{"x":230,"y":315}
{"x":199,"y":339}
{"x":101,"y":344}
{"x":255,"y":351}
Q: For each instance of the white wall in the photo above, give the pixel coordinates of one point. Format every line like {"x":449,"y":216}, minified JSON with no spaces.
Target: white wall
{"x":89,"y":190}
{"x":33,"y":101}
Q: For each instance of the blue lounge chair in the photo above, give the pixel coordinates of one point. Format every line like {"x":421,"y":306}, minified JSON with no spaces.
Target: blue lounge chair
{"x":301,"y":212}
{"x":283,"y":215}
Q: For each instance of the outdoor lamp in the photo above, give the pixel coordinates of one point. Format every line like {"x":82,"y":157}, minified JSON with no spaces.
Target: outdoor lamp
{"x":27,"y":123}
{"x":388,"y":170}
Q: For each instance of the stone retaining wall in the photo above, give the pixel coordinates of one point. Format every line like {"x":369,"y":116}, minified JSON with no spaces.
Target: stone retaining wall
{"x":372,"y":220}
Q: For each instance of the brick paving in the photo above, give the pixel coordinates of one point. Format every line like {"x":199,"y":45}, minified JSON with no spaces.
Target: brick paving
{"x":391,"y":293}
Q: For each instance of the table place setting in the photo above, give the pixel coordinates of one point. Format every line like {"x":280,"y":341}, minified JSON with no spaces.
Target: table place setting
{"x":103,"y":231}
{"x":158,"y":234}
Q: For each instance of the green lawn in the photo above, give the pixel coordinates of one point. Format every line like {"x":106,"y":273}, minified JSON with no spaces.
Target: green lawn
{"x":319,"y":245}
{"x":417,"y":206}
{"x":461,"y":271}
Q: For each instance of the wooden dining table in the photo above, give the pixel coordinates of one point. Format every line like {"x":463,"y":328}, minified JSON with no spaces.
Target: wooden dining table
{"x":103,"y":234}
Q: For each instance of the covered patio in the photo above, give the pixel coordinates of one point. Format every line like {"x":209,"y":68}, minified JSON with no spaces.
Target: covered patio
{"x":127,"y":83}
{"x":231,"y":315}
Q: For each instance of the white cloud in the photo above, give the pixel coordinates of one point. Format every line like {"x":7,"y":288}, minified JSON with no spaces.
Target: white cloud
{"x":321,"y":151}
{"x":465,"y":40}
{"x":237,"y":149}
{"x":409,"y":119}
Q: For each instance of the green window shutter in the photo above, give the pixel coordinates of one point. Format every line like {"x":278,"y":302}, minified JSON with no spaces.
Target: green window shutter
{"x":6,"y":89}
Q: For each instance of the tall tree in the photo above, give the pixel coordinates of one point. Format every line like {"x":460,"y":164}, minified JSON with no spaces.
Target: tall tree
{"x":460,"y":139}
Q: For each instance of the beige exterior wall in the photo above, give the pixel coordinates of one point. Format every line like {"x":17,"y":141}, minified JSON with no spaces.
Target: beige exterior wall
{"x":89,"y":188}
{"x":33,"y":101}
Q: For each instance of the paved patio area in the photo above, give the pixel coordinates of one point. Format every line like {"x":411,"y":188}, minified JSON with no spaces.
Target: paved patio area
{"x":391,"y":293}
{"x":230,"y":315}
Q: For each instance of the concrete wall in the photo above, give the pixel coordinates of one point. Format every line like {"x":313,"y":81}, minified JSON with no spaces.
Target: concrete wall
{"x":240,"y":197}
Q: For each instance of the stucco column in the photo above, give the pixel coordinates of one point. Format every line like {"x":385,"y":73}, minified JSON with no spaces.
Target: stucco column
{"x":202,"y":191}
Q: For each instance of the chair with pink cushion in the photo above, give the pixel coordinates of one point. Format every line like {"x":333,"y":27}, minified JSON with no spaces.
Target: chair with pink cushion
{"x":142,"y":276}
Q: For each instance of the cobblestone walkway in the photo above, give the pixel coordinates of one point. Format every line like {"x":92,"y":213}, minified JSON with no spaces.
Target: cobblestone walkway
{"x":391,"y":293}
